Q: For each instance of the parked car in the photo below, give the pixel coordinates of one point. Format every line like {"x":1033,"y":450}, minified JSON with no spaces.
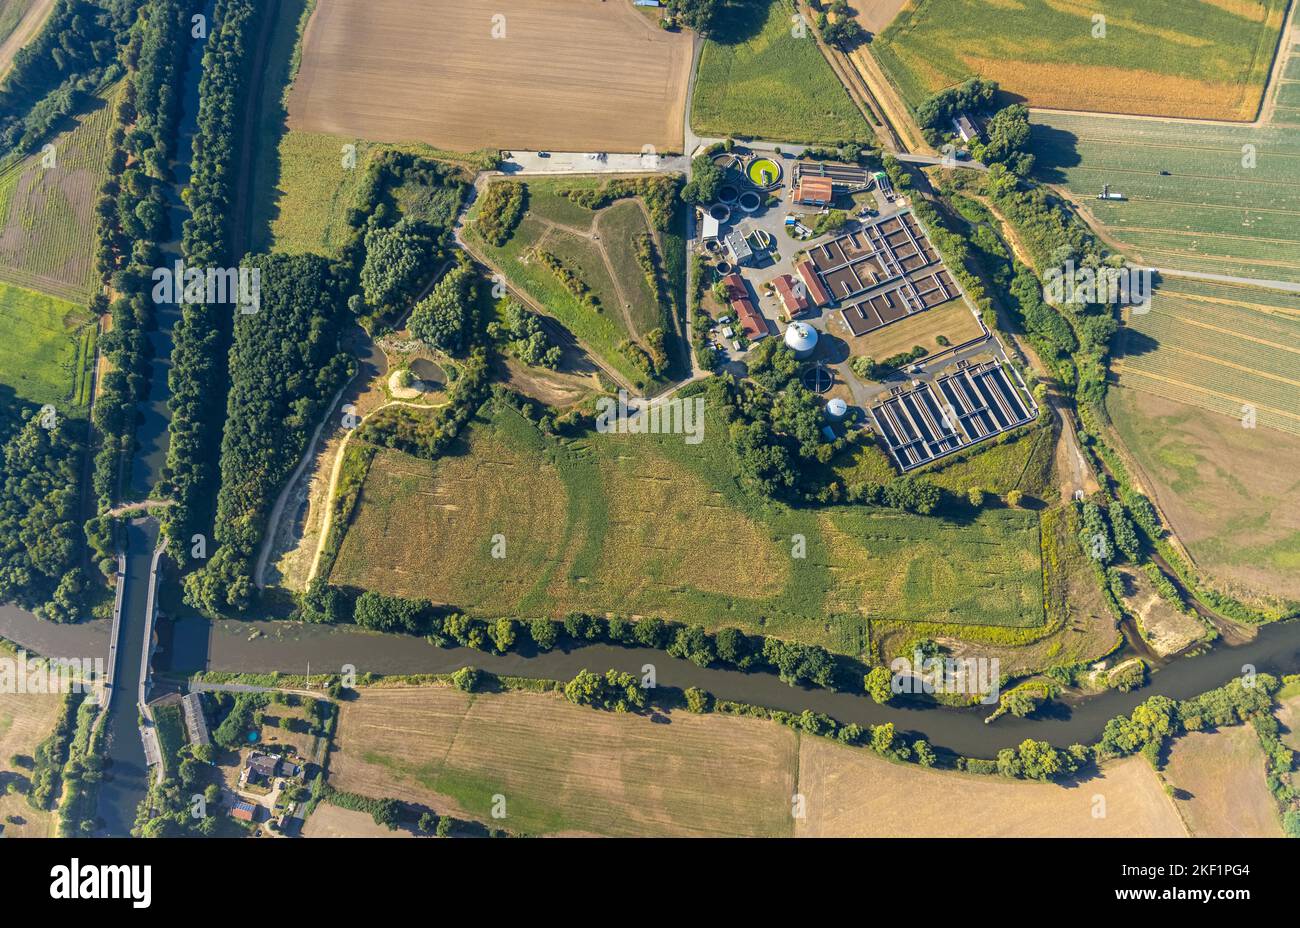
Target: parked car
{"x":543,"y":154}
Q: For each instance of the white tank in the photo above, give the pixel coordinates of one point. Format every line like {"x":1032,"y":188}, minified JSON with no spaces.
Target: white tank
{"x":801,"y":338}
{"x":836,"y":408}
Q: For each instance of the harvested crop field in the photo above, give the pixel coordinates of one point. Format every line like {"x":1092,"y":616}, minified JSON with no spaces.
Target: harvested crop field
{"x":648,"y":525}
{"x":1207,"y":59}
{"x":1219,"y":782}
{"x":566,"y":769}
{"x":47,"y":235}
{"x":574,"y":75}
{"x":854,"y":793}
{"x":1198,"y":197}
{"x":1230,"y":493}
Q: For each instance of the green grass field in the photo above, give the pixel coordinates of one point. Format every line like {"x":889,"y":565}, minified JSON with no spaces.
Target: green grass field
{"x":648,"y":525}
{"x":47,"y":349}
{"x":47,"y":221}
{"x":1216,"y":210}
{"x":1198,"y":58}
{"x":557,"y":225}
{"x":757,"y":79}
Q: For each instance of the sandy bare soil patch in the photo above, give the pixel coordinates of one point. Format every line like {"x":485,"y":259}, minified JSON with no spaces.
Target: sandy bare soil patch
{"x":1219,"y":777}
{"x":565,"y":769}
{"x":332,"y":822}
{"x":565,"y":74}
{"x":854,"y":793}
{"x":875,"y":15}
{"x":1166,"y":629}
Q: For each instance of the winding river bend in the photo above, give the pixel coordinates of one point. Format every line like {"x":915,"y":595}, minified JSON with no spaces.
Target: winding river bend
{"x":291,"y":647}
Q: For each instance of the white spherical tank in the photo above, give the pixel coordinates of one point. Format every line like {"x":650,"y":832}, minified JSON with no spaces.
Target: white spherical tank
{"x":801,"y":338}
{"x":836,"y":408}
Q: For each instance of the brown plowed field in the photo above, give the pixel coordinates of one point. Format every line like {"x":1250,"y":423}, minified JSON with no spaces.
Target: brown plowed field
{"x":573,"y":75}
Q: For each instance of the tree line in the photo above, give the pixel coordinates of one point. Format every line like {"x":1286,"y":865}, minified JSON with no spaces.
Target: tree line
{"x":198,"y":377}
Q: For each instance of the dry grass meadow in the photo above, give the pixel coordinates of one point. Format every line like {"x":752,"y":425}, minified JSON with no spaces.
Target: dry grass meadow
{"x":566,"y":769}
{"x":26,"y":720}
{"x":574,"y":75}
{"x":1220,"y":781}
{"x":1229,"y":492}
{"x":332,"y":822}
{"x":854,"y":793}
{"x":953,"y":320}
{"x":649,"y":525}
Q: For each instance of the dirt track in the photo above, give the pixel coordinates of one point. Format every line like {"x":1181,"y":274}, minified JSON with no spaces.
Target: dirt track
{"x":567,"y":74}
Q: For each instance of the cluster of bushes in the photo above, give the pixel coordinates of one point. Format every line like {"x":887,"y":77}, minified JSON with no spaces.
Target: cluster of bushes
{"x":131,"y":222}
{"x":649,"y":356}
{"x":500,"y":210}
{"x":427,"y":434}
{"x":285,"y":365}
{"x":973,"y":97}
{"x":83,"y":774}
{"x":198,"y":376}
{"x":613,"y":691}
{"x":1280,"y":761}
{"x":41,"y":535}
{"x":659,"y":191}
{"x":520,"y":332}
{"x":844,"y":31}
{"x":393,"y":813}
{"x":569,"y":278}
{"x":884,"y":739}
{"x":869,"y":369}
{"x":52,"y":754}
{"x":53,"y":74}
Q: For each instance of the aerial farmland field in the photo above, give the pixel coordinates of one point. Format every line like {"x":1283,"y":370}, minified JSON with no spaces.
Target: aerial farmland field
{"x":47,"y":349}
{"x":757,"y":79}
{"x":648,"y":525}
{"x":566,"y":769}
{"x":47,"y":239}
{"x":1195,"y":58}
{"x":1198,"y":197}
{"x":1228,"y":348}
{"x":573,"y":75}
{"x":1230,"y":492}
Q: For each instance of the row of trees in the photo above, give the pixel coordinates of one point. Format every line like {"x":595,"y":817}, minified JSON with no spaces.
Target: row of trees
{"x":131,"y":218}
{"x":198,"y":376}
{"x":728,"y":647}
{"x":285,"y":366}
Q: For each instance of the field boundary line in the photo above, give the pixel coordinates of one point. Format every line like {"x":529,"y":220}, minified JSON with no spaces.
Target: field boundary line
{"x":1122,"y":368}
{"x":1220,"y":329}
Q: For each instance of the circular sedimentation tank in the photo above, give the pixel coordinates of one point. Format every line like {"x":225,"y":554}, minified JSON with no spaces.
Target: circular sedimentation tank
{"x":720,"y":212}
{"x":763,"y":173}
{"x":749,"y":201}
{"x":728,"y":193}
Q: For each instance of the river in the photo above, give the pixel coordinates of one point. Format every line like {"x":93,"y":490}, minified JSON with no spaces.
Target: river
{"x":291,"y":647}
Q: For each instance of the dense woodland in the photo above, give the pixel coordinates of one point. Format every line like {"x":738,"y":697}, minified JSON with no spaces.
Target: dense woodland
{"x":53,"y":76}
{"x":285,"y":366}
{"x":199,"y":378}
